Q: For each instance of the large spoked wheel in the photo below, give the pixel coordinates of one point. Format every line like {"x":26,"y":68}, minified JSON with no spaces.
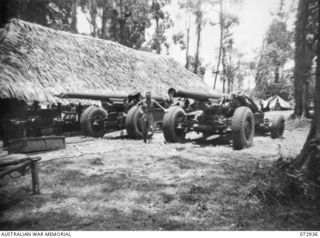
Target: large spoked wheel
{"x":242,"y":126}
{"x":84,"y":120}
{"x":277,"y":127}
{"x":93,"y":122}
{"x":171,"y":126}
{"x":134,"y":123}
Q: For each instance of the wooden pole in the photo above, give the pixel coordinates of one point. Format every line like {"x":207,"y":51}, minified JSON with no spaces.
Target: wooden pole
{"x":35,"y":177}
{"x":21,"y":164}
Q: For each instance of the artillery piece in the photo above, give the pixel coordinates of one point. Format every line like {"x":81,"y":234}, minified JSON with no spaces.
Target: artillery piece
{"x":118,"y":111}
{"x":235,"y":114}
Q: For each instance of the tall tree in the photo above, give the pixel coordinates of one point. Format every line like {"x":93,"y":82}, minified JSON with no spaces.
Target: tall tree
{"x":62,"y":15}
{"x":199,"y":22}
{"x":129,"y":20}
{"x":183,"y":38}
{"x":4,"y":9}
{"x":232,"y":66}
{"x":106,"y":11}
{"x":179,"y":39}
{"x":227,"y":21}
{"x":301,"y":65}
{"x":74,"y":14}
{"x":305,"y":40}
{"x":309,"y":157}
{"x":228,"y":51}
{"x":123,"y":21}
{"x":35,"y":11}
{"x":187,"y":41}
{"x":275,"y":53}
{"x":92,"y":10}
{"x":199,"y":9}
{"x":57,"y":14}
{"x":92,"y":7}
{"x":192,"y":8}
{"x":162,"y":23}
{"x":221,"y":42}
{"x":278,"y":47}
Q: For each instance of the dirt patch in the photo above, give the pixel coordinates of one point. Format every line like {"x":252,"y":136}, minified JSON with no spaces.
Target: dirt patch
{"x":122,"y":184}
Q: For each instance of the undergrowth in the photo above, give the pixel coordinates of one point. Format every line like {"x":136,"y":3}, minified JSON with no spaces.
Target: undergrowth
{"x":286,"y":196}
{"x":282,"y":184}
{"x":278,"y":197}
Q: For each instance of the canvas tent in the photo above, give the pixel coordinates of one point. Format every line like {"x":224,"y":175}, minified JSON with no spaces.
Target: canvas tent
{"x":37,"y":62}
{"x":276,"y":103}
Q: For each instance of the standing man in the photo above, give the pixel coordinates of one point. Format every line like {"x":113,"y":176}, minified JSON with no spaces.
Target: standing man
{"x":147,"y":118}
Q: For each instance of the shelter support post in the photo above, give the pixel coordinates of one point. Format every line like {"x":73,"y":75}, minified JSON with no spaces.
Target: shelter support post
{"x":35,"y":177}
{"x":21,"y":166}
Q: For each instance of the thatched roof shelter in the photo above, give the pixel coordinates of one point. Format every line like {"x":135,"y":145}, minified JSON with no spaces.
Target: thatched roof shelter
{"x":37,"y":62}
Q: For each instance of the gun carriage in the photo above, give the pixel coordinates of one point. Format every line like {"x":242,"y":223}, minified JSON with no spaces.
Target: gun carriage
{"x":118,"y":111}
{"x":235,"y":114}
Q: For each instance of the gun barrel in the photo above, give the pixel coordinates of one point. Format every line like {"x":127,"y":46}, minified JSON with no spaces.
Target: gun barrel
{"x":106,"y":97}
{"x":89,"y":96}
{"x":195,"y":95}
{"x":158,"y":99}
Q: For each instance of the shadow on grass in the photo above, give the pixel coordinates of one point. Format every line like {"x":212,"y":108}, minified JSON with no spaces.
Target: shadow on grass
{"x":212,"y":140}
{"x":204,"y":202}
{"x":113,"y":219}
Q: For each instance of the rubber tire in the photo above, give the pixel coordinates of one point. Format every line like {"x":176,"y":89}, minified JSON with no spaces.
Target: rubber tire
{"x":168,"y":125}
{"x":91,"y":114}
{"x":132,"y":127}
{"x":238,"y":124}
{"x":84,"y":120}
{"x":277,"y":127}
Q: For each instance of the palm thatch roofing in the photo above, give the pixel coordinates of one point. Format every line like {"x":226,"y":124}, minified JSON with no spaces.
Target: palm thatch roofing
{"x":37,"y":63}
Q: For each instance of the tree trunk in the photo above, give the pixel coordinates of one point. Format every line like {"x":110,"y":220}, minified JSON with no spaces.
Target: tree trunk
{"x":4,"y":9}
{"x":94,"y":27}
{"x":232,"y":84}
{"x":223,"y":75}
{"x":223,"y":84}
{"x":316,"y":118}
{"x":74,"y":20}
{"x":114,"y":34}
{"x":196,"y":64}
{"x":122,"y":24}
{"x":305,"y":99}
{"x":309,"y":157}
{"x":32,"y":11}
{"x":158,"y":50}
{"x":187,"y":47}
{"x":229,"y":78}
{"x":301,"y":67}
{"x":220,"y":47}
{"x":93,"y":11}
{"x":104,"y":21}
{"x":277,"y":73}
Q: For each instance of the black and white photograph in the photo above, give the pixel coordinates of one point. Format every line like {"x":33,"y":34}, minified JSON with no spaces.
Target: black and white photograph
{"x":159,"y":115}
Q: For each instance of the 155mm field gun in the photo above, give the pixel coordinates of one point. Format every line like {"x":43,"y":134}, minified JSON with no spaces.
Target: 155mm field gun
{"x":233,"y":114}
{"x":118,"y":111}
